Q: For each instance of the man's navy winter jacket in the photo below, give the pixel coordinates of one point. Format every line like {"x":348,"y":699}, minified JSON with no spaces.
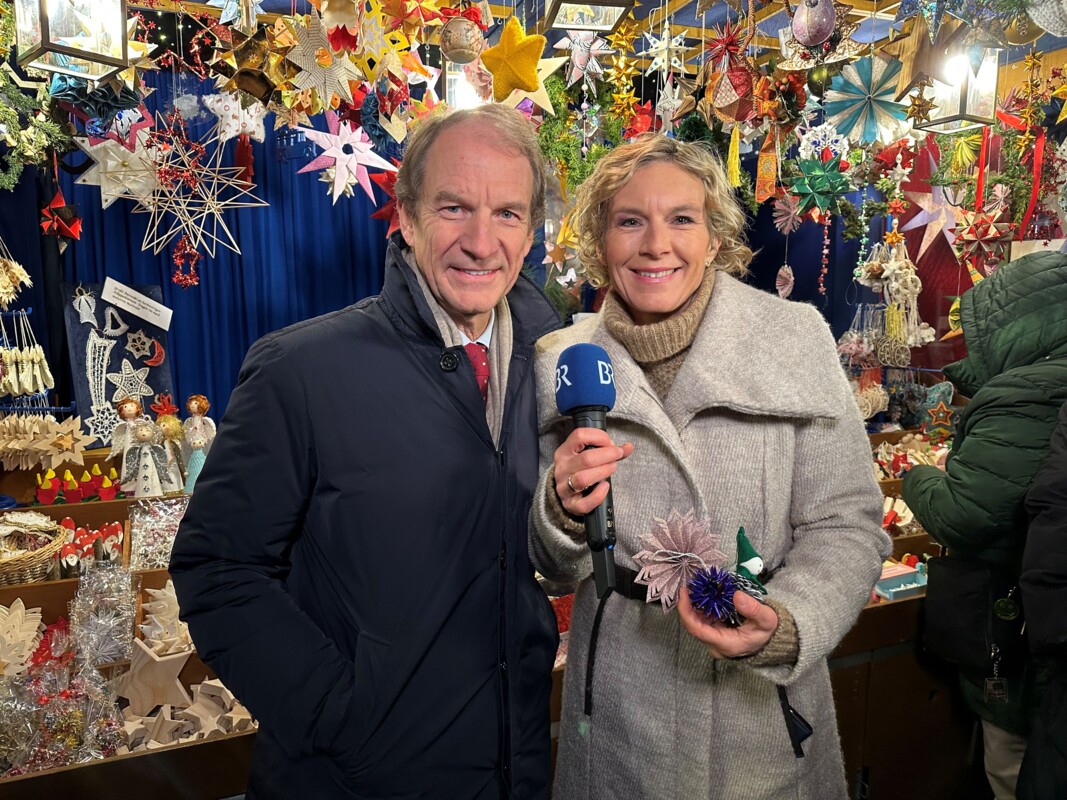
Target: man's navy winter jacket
{"x":354,"y":562}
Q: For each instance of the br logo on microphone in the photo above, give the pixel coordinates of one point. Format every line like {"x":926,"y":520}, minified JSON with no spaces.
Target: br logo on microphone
{"x":585,"y":378}
{"x":605,"y":372}
{"x":561,"y":376}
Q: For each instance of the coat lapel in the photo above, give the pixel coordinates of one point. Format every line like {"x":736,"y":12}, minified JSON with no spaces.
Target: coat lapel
{"x":735,"y":364}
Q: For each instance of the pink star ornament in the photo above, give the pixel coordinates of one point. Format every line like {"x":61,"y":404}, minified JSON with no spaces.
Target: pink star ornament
{"x":348,"y":151}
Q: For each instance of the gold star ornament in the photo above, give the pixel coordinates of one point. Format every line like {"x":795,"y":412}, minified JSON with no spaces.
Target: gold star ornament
{"x":513,"y":62}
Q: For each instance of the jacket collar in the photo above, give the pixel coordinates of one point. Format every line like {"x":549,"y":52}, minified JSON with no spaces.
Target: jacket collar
{"x":745,"y":357}
{"x":532,"y":313}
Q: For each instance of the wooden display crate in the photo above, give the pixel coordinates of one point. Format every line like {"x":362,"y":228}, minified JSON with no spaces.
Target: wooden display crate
{"x":210,"y":768}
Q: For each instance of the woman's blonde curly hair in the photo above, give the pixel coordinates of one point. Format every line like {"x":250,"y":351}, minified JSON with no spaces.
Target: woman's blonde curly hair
{"x":722,"y":214}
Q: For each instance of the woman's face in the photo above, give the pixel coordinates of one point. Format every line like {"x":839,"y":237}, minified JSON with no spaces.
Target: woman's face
{"x":656,"y":241}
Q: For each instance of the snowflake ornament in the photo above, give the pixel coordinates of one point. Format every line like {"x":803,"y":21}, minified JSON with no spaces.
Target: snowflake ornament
{"x":139,"y":344}
{"x":822,"y":138}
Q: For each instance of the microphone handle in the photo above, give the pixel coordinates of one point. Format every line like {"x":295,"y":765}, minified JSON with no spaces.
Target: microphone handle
{"x":600,"y":522}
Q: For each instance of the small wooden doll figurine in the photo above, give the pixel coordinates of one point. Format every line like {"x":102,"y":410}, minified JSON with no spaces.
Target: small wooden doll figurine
{"x":196,"y":461}
{"x":128,"y":410}
{"x":173,"y":440}
{"x":198,"y":423}
{"x":144,"y":469}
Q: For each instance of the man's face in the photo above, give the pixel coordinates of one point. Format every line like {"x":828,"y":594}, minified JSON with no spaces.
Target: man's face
{"x":473,"y":230}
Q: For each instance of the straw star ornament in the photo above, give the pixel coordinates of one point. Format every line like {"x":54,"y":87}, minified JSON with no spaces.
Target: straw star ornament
{"x":193,"y":192}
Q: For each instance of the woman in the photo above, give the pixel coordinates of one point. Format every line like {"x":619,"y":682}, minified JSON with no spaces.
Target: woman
{"x":733,"y":405}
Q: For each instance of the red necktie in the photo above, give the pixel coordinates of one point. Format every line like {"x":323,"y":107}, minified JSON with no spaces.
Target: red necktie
{"x":478,"y":353}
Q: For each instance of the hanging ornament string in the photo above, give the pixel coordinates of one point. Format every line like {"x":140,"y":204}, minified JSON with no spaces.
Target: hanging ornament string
{"x":825,"y":266}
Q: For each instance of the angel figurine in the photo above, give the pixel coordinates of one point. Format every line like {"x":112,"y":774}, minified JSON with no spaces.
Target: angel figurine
{"x":173,"y":442}
{"x":198,"y":424}
{"x":144,"y":467}
{"x":128,"y":409}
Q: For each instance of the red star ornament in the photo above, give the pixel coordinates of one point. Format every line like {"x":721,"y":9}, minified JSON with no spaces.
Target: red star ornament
{"x":641,"y":121}
{"x":387,"y":183}
{"x":59,"y":219}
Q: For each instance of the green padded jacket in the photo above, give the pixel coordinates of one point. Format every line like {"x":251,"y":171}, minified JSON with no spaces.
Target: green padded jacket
{"x":1015,"y":372}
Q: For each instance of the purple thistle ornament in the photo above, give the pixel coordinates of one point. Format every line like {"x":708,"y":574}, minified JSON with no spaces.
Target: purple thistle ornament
{"x":712,"y":592}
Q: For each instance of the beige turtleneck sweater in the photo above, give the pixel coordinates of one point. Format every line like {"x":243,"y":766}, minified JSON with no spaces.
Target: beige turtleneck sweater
{"x":660,"y":349}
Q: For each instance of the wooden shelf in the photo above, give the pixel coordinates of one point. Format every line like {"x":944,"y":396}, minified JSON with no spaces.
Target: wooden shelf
{"x":22,"y":483}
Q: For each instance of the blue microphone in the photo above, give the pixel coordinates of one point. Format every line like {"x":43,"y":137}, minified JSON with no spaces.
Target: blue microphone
{"x":585,"y":391}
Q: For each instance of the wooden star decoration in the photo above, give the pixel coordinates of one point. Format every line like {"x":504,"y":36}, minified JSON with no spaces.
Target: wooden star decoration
{"x":921,"y":59}
{"x":68,"y":445}
{"x":321,"y":69}
{"x":513,"y":62}
{"x":192,"y":203}
{"x":545,"y":67}
{"x":152,"y":680}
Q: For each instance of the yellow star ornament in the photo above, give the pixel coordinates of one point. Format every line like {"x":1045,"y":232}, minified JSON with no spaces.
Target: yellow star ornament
{"x":513,"y":62}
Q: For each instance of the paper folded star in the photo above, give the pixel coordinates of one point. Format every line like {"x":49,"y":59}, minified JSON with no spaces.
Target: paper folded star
{"x":513,"y":62}
{"x":585,"y":47}
{"x":819,"y":183}
{"x":387,"y":183}
{"x":321,"y":69}
{"x":348,"y":151}
{"x":60,"y":219}
{"x":119,"y":172}
{"x":666,"y":52}
{"x":980,"y":236}
{"x":545,"y":67}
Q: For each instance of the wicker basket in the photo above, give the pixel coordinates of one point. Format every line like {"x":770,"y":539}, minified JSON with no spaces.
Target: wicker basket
{"x":34,"y":566}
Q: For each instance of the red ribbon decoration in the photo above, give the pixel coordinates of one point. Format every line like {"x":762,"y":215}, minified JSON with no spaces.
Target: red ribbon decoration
{"x":473,"y":13}
{"x":1039,"y":160}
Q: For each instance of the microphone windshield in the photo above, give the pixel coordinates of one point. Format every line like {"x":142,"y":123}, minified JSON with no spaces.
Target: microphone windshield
{"x":584,"y":378}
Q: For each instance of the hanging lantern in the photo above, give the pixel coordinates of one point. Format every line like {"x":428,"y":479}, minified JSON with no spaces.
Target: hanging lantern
{"x":969,"y":99}
{"x":602,"y":16}
{"x":82,"y":38}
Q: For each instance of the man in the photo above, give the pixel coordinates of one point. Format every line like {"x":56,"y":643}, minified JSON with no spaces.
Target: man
{"x":354,"y":561}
